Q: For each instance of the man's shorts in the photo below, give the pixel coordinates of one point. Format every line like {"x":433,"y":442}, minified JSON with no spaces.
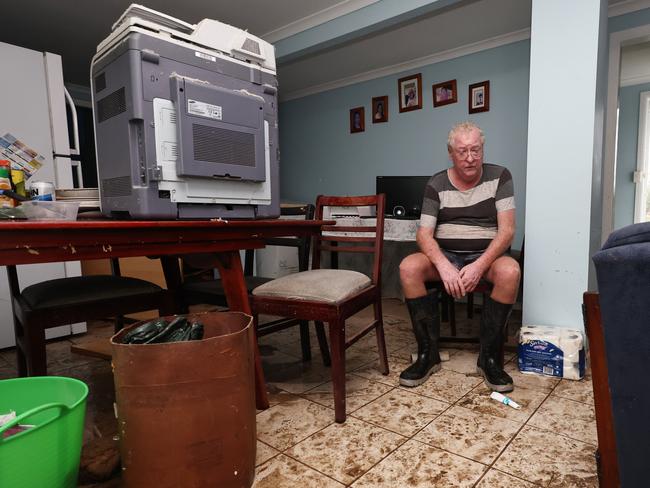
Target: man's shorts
{"x":461,"y":259}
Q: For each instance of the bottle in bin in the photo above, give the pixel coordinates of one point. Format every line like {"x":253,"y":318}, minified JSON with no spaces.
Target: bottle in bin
{"x":5,"y":184}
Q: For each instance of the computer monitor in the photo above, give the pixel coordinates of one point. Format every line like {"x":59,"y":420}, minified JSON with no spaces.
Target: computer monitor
{"x":404,"y":194}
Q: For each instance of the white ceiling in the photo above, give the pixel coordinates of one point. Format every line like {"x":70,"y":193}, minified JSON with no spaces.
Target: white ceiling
{"x":469,"y":23}
{"x":73,"y":28}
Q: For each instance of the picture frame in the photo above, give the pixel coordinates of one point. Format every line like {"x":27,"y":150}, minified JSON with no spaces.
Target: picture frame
{"x":479,"y":97}
{"x":357,"y":120}
{"x":379,"y":110}
{"x":445,"y":93}
{"x":409,"y":93}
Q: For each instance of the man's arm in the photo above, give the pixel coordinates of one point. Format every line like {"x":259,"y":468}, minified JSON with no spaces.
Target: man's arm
{"x":448,"y":273}
{"x":472,"y":273}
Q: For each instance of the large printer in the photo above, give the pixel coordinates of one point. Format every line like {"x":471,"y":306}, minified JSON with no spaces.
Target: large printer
{"x":185,"y":120}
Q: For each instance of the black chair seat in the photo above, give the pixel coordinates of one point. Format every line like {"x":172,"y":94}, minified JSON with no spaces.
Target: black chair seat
{"x":79,"y":290}
{"x":77,"y":299}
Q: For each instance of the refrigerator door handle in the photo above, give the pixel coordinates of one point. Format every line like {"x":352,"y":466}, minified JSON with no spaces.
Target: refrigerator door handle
{"x":75,"y":136}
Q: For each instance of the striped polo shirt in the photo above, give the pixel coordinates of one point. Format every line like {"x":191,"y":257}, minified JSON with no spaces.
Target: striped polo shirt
{"x":466,"y":221}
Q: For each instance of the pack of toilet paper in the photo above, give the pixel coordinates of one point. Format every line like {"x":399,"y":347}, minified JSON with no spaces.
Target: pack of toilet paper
{"x":552,"y":351}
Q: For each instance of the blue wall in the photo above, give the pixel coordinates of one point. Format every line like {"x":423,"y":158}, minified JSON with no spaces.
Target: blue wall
{"x":628,"y":133}
{"x":319,"y":155}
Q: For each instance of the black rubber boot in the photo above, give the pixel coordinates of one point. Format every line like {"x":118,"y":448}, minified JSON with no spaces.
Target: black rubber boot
{"x":494,"y":319}
{"x":426,"y":326}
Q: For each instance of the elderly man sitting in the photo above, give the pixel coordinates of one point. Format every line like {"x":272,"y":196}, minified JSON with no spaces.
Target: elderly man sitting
{"x":466,"y":228}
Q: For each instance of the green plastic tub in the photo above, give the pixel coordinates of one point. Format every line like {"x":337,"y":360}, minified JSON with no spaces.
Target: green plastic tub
{"x":46,"y":455}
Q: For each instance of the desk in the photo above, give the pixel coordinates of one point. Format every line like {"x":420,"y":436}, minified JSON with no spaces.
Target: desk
{"x":48,"y":241}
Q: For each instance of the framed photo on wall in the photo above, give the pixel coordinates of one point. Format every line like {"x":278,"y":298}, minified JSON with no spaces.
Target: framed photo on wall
{"x":479,"y":97}
{"x":409,"y":93}
{"x":445,"y":93}
{"x":379,"y":109}
{"x":357,"y":120}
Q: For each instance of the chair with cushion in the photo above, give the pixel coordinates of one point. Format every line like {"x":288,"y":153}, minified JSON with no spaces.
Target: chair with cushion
{"x":448,"y":308}
{"x":334,"y":295}
{"x":64,"y":301}
{"x":211,"y":291}
{"x":620,"y":380}
{"x":448,"y":304}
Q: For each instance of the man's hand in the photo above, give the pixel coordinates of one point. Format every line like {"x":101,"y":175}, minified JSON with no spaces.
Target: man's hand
{"x":470,"y":275}
{"x":451,"y":278}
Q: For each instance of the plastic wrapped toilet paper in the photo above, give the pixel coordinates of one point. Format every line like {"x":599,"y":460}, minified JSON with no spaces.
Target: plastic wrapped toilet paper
{"x":552,"y":351}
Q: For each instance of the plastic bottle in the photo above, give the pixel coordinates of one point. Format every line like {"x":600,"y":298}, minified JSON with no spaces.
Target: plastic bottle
{"x":5,"y":184}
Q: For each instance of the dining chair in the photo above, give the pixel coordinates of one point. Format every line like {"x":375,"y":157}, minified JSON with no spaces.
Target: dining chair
{"x":333,"y":295}
{"x":211,"y":291}
{"x":62,"y":301}
{"x":448,"y":308}
{"x":448,"y":303}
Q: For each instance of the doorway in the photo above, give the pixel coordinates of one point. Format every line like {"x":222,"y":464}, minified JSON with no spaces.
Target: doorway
{"x":625,"y":178}
{"x":641,"y":175}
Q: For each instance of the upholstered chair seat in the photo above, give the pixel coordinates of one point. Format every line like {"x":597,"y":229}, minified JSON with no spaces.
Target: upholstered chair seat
{"x":322,"y":285}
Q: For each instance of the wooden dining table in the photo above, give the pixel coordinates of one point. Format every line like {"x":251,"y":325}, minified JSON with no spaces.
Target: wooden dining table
{"x":214,"y":242}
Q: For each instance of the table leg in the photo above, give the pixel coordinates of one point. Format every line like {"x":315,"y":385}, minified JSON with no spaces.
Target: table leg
{"x":232,"y":277}
{"x":174,"y":280}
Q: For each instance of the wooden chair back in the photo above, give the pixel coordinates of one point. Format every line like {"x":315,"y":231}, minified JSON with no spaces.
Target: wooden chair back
{"x":364,"y":238}
{"x":303,"y":243}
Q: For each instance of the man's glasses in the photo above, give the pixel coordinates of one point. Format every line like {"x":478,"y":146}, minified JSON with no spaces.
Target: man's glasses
{"x":464,"y":151}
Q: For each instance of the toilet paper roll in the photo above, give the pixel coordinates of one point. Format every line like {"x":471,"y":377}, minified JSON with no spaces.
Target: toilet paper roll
{"x":531,"y":328}
{"x":551,"y":339}
{"x":571,"y":343}
{"x":572,"y":358}
{"x":571,"y":370}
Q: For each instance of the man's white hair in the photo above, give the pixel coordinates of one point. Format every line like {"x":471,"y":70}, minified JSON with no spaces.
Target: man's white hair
{"x":463,"y":127}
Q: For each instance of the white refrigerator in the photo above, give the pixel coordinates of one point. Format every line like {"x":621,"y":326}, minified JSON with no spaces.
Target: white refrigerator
{"x":33,"y":109}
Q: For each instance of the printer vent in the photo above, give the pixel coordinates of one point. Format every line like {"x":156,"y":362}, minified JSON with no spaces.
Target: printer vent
{"x":251,"y":46}
{"x":100,"y":82}
{"x":216,"y":145}
{"x":111,"y":105}
{"x":116,"y":187}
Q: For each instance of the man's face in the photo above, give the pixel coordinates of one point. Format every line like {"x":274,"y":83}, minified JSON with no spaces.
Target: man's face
{"x":467,"y":155}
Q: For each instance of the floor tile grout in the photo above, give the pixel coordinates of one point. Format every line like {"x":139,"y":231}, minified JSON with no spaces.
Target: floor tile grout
{"x":412,"y":437}
{"x":291,"y":348}
{"x":398,"y":354}
{"x":519,"y":430}
{"x":308,"y":466}
{"x":450,"y":405}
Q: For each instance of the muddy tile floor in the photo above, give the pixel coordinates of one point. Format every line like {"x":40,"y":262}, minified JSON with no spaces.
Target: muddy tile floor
{"x":444,"y":433}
